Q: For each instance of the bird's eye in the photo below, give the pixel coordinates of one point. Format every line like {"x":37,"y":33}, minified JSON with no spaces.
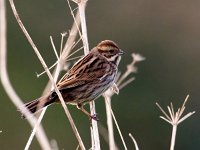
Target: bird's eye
{"x":111,"y":51}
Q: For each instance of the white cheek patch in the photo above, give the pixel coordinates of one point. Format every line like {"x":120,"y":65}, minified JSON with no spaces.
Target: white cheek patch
{"x":118,"y":60}
{"x":112,"y":58}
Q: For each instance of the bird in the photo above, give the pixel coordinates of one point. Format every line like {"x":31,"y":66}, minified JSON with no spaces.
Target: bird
{"x":87,"y":80}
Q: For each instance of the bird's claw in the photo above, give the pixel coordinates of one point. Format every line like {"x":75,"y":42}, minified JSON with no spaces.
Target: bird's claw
{"x":94,"y":117}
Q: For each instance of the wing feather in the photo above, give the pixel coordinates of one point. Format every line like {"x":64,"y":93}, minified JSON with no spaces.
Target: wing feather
{"x":81,"y":73}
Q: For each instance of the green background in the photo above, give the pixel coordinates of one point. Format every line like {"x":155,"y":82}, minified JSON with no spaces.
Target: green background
{"x":165,"y":32}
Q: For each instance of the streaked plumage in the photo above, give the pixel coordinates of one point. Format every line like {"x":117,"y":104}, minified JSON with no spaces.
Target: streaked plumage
{"x":88,"y":79}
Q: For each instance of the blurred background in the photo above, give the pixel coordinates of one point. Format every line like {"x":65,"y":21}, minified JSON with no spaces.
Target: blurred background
{"x":165,"y":32}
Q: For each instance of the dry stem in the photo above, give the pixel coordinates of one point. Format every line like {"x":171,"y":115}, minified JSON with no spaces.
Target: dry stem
{"x":115,"y":120}
{"x":42,"y":139}
{"x":134,"y":141}
{"x":121,"y":83}
{"x":48,"y":73}
{"x":174,"y":118}
{"x":112,"y":144}
{"x":94,"y":128}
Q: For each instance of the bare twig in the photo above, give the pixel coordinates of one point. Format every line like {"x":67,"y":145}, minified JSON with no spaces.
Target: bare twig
{"x":121,"y":83}
{"x":77,"y":19}
{"x":49,"y":75}
{"x":81,"y":6}
{"x":112,"y":144}
{"x":42,"y":139}
{"x":54,"y":145}
{"x":94,"y":128}
{"x":174,"y":118}
{"x":64,"y":54}
{"x":104,"y":132}
{"x":115,"y":120}
{"x":35,"y":128}
{"x":134,"y":141}
{"x":54,"y":48}
{"x":131,"y":68}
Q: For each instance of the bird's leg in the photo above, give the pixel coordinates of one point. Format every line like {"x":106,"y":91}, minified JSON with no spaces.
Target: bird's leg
{"x":80,"y":106}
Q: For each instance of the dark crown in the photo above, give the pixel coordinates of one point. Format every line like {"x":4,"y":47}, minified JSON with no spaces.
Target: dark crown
{"x":107,"y":45}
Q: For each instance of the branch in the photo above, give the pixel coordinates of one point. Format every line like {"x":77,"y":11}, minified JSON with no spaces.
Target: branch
{"x":120,"y":83}
{"x":112,"y":144}
{"x":134,"y":141}
{"x":42,"y":139}
{"x":49,"y":75}
{"x":115,"y":120}
{"x":174,"y":118}
{"x":94,"y":128}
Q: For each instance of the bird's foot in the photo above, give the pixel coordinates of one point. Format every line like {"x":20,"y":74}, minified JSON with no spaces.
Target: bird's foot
{"x":94,"y":117}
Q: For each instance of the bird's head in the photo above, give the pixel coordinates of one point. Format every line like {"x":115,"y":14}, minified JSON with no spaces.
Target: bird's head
{"x":110,"y":51}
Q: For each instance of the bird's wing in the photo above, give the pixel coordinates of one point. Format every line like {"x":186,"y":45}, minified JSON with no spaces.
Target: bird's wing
{"x":78,"y":75}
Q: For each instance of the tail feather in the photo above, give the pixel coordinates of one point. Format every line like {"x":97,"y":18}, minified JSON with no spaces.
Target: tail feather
{"x":32,"y":106}
{"x":37,"y":104}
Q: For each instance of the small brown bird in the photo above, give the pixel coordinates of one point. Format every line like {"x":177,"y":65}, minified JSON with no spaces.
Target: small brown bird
{"x":88,"y":79}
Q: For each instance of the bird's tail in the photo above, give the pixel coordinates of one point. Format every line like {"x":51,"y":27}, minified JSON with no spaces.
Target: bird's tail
{"x":37,"y":104}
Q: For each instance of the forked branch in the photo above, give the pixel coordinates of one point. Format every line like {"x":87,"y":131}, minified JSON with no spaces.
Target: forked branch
{"x":174,"y":118}
{"x":41,"y":136}
{"x":48,"y":73}
{"x":94,"y":128}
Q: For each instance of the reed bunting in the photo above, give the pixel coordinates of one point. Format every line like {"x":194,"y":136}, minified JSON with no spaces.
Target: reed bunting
{"x":88,"y":79}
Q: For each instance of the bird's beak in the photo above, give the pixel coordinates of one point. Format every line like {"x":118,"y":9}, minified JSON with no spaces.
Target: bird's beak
{"x":121,"y":52}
